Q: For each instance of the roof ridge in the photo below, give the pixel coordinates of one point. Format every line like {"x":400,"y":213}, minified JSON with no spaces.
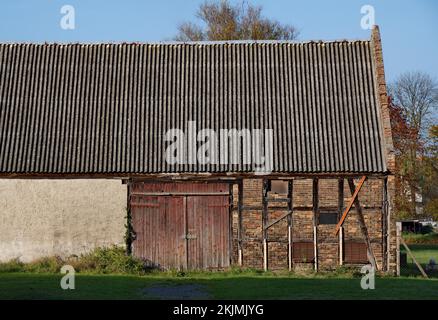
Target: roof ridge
{"x":231,"y":42}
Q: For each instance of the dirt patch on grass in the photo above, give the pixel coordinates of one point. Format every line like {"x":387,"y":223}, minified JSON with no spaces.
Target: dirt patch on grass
{"x":177,"y":292}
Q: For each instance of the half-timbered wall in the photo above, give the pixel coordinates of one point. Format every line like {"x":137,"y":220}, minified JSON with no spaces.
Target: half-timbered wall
{"x":332,"y":196}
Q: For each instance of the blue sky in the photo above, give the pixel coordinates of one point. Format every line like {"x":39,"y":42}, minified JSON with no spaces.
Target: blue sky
{"x":409,"y":28}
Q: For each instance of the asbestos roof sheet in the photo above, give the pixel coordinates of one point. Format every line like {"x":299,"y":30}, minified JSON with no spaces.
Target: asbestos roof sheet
{"x":105,"y":108}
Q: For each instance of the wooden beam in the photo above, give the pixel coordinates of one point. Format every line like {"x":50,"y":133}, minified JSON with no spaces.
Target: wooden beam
{"x":277,"y":200}
{"x":350,"y":204}
{"x":186,"y":231}
{"x":334,"y":208}
{"x":130,"y":231}
{"x":304,"y":208}
{"x":389,"y":194}
{"x":340,"y":210}
{"x":270,"y":224}
{"x":341,"y":246}
{"x":290,"y":194}
{"x":362,"y":224}
{"x":239,"y":222}
{"x":397,"y":245}
{"x":385,"y":225}
{"x":315,"y":247}
{"x":299,"y":239}
{"x":315,"y":204}
{"x":264,"y":223}
{"x":340,"y":197}
{"x":163,"y":177}
{"x":157,"y":194}
{"x":230,"y":226}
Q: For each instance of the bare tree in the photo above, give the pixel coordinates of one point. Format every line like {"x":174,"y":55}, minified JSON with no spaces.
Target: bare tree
{"x":225,"y":21}
{"x":417,"y":94}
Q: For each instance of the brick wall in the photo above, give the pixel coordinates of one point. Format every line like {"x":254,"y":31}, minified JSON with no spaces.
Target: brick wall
{"x":382,"y":98}
{"x":371,"y":200}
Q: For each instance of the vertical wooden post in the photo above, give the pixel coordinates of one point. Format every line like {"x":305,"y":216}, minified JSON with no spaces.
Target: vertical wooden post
{"x":398,"y":235}
{"x":264,"y":224}
{"x":129,"y":228}
{"x":239,"y":222}
{"x":289,"y":247}
{"x":186,"y":231}
{"x":340,"y":197}
{"x":315,"y":247}
{"x":340,"y":211}
{"x":290,"y":193}
{"x":230,"y":226}
{"x":385,"y":226}
{"x":341,"y":246}
{"x":315,"y":199}
{"x":389,"y":231}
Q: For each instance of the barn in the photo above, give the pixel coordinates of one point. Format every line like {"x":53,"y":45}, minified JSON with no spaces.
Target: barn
{"x":261,"y":154}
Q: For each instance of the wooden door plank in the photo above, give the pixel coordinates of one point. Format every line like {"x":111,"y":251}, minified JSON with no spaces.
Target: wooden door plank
{"x":164,"y":212}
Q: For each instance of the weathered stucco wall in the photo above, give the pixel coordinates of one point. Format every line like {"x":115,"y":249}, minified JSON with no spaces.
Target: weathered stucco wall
{"x":59,"y":217}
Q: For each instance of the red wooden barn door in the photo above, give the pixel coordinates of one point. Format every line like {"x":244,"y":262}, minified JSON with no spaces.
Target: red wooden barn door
{"x":181,"y":225}
{"x":208,"y":232}
{"x":160,"y":228}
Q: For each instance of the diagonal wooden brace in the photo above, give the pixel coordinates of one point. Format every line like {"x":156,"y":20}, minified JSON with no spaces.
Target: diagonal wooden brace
{"x":363,"y":227}
{"x":350,"y":204}
{"x":270,"y":224}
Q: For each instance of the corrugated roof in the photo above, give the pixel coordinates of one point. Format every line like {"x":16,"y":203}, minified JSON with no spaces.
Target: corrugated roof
{"x":104,"y":108}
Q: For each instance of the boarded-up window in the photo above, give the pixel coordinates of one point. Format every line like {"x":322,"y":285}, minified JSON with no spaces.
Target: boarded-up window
{"x":303,"y":252}
{"x":278,"y":186}
{"x":355,"y":252}
{"x":328,"y":217}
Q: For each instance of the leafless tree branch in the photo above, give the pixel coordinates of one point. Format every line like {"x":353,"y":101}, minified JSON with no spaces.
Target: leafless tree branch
{"x":243,"y":21}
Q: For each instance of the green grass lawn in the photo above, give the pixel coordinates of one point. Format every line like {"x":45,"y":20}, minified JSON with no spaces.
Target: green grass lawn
{"x":422,"y":253}
{"x":41,"y":280}
{"x":217,"y":286}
